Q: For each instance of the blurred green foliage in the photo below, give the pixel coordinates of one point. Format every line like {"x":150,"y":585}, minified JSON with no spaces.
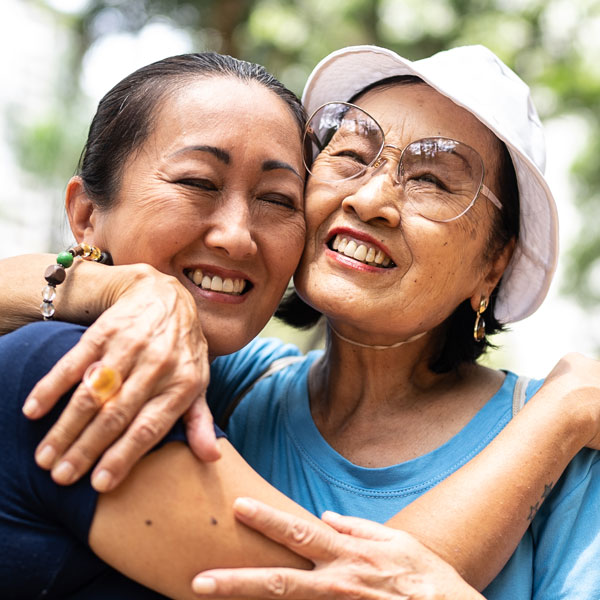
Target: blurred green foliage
{"x":553,"y":44}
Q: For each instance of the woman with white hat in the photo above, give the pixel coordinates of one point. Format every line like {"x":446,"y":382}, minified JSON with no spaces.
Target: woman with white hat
{"x":429,"y":226}
{"x":412,"y":220}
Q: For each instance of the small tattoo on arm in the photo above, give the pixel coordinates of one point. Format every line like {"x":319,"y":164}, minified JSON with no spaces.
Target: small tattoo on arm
{"x":534,"y":509}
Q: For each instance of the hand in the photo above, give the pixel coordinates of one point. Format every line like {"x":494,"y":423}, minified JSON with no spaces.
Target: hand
{"x":355,"y":559}
{"x":575,"y":383}
{"x":151,"y":334}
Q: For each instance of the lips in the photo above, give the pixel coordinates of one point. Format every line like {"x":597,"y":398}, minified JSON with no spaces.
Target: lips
{"x":216,"y":283}
{"x":361,"y":251}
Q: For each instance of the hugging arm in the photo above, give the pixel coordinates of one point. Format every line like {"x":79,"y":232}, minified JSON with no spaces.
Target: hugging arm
{"x":146,"y":324}
{"x":473,"y":520}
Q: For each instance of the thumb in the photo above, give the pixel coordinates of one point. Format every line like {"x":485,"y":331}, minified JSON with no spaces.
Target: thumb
{"x":200,"y":430}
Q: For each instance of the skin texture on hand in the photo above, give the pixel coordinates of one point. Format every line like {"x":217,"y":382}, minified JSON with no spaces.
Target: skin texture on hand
{"x":357,"y":558}
{"x":151,"y":335}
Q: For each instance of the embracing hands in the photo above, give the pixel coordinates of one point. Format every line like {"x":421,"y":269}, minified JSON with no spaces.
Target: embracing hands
{"x":152,"y":336}
{"x":356,"y":558}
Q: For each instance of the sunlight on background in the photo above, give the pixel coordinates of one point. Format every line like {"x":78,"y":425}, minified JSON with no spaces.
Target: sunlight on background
{"x":30,"y":217}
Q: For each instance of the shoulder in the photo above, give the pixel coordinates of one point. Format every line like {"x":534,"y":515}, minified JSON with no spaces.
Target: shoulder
{"x":28,"y":353}
{"x":231,"y":375}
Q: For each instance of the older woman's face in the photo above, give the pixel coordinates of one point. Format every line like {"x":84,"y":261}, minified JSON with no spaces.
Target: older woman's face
{"x":215,"y":198}
{"x":433,"y":266}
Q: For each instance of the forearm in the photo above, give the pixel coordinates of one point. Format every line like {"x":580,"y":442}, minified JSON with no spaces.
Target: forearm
{"x":173,"y":517}
{"x":476,"y":518}
{"x":80,"y":299}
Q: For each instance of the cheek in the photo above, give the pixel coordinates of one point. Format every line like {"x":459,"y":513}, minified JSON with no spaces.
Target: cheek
{"x":283,"y":248}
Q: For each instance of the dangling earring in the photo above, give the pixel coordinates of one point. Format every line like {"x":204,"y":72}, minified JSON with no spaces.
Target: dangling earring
{"x":479,"y":329}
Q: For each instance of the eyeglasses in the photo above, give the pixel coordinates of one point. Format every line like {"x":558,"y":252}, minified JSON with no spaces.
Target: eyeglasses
{"x":440,"y":178}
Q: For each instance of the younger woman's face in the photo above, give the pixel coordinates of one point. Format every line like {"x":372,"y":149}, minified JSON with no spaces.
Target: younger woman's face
{"x":214,"y":197}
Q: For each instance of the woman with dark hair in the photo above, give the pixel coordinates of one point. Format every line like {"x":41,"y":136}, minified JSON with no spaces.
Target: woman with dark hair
{"x":212,"y":193}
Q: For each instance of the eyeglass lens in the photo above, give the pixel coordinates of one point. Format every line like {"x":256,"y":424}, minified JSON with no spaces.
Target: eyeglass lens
{"x":440,"y":178}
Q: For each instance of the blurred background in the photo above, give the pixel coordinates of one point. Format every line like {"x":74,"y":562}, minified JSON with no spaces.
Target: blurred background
{"x":60,"y":56}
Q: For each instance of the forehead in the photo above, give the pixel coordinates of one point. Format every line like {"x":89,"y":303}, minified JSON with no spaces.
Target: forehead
{"x":407,"y":112}
{"x":227,"y":113}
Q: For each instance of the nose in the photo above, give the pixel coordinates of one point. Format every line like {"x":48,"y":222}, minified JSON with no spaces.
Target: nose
{"x":375,"y":198}
{"x":231,"y":229}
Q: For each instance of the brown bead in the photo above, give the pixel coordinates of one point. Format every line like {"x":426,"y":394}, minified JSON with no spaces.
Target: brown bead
{"x":55,"y":274}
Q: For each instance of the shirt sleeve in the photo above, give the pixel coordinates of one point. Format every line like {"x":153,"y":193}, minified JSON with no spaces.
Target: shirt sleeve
{"x":232,"y":375}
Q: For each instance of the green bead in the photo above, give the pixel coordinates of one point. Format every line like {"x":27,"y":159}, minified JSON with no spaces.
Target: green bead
{"x":65,"y":259}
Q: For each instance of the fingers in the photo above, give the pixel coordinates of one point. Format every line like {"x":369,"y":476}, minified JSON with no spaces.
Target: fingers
{"x":256,"y":583}
{"x":356,"y":527}
{"x":150,"y":426}
{"x":201,"y":432}
{"x":307,"y":539}
{"x":65,"y":374}
{"x":294,"y":584}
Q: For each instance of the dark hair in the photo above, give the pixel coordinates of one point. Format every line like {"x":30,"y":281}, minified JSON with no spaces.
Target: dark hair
{"x":126,"y":114}
{"x":457,"y":345}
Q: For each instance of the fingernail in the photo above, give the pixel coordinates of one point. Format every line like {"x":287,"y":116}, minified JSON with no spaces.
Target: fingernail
{"x":45,"y":457}
{"x":244,"y":506}
{"x":31,"y":407}
{"x":102,"y":481}
{"x":64,"y":473}
{"x":204,"y":585}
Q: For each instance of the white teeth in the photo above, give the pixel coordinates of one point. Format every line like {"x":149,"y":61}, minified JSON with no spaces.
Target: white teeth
{"x":361,"y":252}
{"x":350,"y":249}
{"x":216,"y":283}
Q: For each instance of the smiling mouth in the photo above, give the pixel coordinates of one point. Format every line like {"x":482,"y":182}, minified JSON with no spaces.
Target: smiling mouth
{"x":360,"y":251}
{"x":215,"y":283}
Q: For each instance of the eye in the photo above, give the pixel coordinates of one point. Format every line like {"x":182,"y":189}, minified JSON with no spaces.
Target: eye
{"x":355,"y":156}
{"x":201,"y":184}
{"x":278,"y":200}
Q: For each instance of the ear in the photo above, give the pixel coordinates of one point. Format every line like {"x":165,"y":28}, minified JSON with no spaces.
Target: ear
{"x":81,"y":211}
{"x":493,"y":275}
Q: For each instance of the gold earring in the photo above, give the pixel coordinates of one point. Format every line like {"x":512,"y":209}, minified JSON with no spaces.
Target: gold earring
{"x":479,"y":329}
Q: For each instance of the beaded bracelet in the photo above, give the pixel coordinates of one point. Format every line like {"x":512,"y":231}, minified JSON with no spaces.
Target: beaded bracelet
{"x":56,"y":274}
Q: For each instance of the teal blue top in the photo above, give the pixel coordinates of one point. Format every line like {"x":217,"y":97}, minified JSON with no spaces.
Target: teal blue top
{"x":559,"y":556}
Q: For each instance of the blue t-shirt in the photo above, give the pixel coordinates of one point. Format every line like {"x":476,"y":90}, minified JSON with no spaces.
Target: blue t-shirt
{"x":559,"y":556}
{"x":43,"y":526}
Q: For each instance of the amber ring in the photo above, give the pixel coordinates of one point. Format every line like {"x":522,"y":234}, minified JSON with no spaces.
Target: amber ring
{"x":102,"y":381}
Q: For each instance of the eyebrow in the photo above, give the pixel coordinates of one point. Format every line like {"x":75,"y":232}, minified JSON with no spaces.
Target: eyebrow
{"x":219,"y":153}
{"x":271,"y":165}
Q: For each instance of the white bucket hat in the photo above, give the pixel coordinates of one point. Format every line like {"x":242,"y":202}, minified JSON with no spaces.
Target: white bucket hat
{"x":476,"y":79}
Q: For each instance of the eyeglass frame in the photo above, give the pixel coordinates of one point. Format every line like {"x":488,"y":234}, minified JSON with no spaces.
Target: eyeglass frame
{"x":378,"y":161}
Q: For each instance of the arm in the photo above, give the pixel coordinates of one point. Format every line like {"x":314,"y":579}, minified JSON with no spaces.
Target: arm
{"x":172,"y":516}
{"x":491,"y":501}
{"x":474,"y":519}
{"x":140,"y":317}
